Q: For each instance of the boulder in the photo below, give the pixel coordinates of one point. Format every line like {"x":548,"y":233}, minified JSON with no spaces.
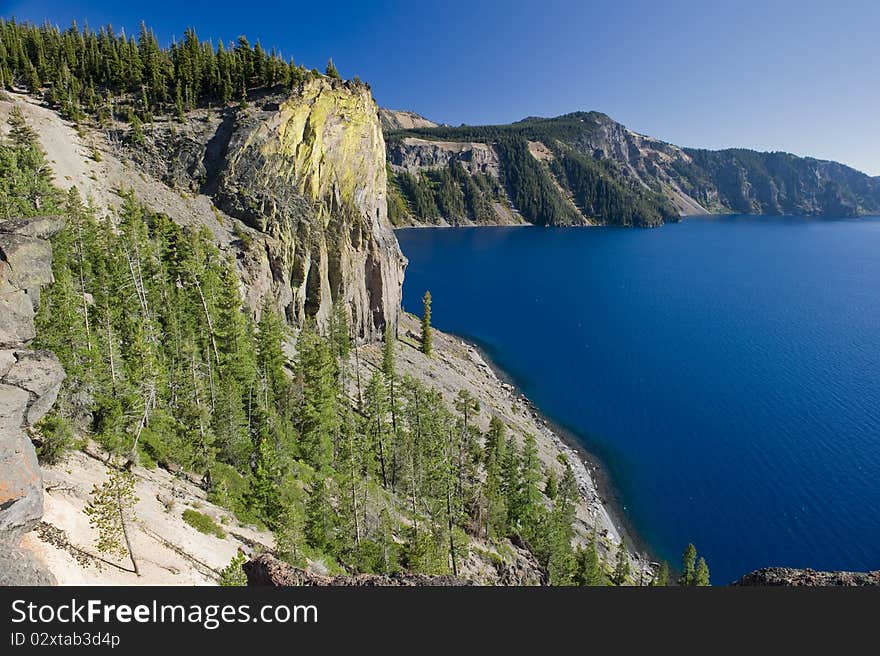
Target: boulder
{"x":40,"y":374}
{"x":787,"y":576}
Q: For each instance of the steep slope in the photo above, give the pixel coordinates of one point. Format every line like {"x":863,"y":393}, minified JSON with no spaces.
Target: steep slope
{"x":394,"y":119}
{"x":751,"y":182}
{"x":613,"y":175}
{"x":574,"y":170}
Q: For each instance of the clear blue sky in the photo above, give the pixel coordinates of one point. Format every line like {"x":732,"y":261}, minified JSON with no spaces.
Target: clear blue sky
{"x":795,"y":75}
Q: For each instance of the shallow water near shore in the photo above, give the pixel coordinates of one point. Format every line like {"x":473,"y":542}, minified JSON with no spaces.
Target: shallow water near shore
{"x":726,"y":370}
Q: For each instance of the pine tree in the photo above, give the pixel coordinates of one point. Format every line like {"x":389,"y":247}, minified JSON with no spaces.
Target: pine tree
{"x":318,"y":517}
{"x":110,"y":509}
{"x":688,"y":563}
{"x":375,"y":424}
{"x":318,"y":396}
{"x":233,"y":574}
{"x":590,"y":571}
{"x":331,"y":70}
{"x":621,"y":566}
{"x":550,"y":487}
{"x":270,"y":356}
{"x":290,"y":536}
{"x":427,"y":345}
{"x":701,"y":574}
{"x":388,"y":353}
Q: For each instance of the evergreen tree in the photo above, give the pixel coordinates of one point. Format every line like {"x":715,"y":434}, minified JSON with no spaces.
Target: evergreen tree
{"x":701,"y":573}
{"x":550,"y":487}
{"x":318,"y":396}
{"x":688,"y":563}
{"x":110,"y":509}
{"x":427,"y":340}
{"x":621,"y":566}
{"x":331,"y":70}
{"x":590,"y":571}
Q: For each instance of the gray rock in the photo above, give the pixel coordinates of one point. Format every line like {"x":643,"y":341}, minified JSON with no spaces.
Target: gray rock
{"x":787,"y":576}
{"x":40,"y":374}
{"x":29,"y":263}
{"x":13,"y":406}
{"x":38,"y":226}
{"x":29,"y":384}
{"x":16,"y":314}
{"x":21,"y":484}
{"x":18,"y":567}
{"x":303,"y":174}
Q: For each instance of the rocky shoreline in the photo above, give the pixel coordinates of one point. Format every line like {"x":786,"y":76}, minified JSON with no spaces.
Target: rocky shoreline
{"x":594,"y":482}
{"x":458,"y":365}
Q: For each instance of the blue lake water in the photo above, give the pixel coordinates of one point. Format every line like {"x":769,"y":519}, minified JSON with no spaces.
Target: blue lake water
{"x":726,"y":370}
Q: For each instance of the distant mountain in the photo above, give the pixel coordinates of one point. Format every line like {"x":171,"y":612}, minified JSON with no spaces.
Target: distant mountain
{"x":393,"y":119}
{"x":585,"y":169}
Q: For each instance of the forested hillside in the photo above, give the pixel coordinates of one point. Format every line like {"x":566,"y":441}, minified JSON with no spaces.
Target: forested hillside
{"x":546,"y":177}
{"x":586,"y":168}
{"x":166,"y":367}
{"x":85,"y":71}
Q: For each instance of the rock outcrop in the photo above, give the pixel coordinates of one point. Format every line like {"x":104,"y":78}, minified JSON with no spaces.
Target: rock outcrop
{"x":29,"y":383}
{"x":310,"y":172}
{"x":413,"y":155}
{"x":305,"y":172}
{"x":268,"y":570}
{"x":786,"y":576}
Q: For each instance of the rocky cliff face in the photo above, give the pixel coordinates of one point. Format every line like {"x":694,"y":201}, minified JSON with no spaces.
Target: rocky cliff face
{"x":412,"y":155}
{"x":747,"y":181}
{"x":306,"y":172}
{"x":29,"y":383}
{"x":622,"y":163}
{"x":786,"y":576}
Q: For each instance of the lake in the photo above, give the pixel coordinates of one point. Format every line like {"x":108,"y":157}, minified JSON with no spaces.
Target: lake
{"x":725,"y":370}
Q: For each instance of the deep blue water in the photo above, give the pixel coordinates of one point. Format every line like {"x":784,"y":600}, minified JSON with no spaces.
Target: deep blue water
{"x":726,"y":370}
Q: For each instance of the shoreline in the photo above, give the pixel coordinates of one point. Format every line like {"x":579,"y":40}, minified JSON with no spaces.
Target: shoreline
{"x":602,"y":481}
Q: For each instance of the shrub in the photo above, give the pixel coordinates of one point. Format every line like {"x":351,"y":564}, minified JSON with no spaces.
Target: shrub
{"x":55,"y":439}
{"x":233,"y":574}
{"x":202,"y":523}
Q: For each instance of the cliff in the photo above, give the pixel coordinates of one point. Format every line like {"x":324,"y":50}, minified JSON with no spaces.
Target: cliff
{"x":29,"y":383}
{"x":587,"y":168}
{"x":306,"y":172}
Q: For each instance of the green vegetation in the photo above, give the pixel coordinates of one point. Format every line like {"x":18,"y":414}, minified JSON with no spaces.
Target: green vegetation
{"x":166,"y":366}
{"x":110,"y":510}
{"x":568,"y":190}
{"x":331,"y":70}
{"x":427,"y":339}
{"x":233,"y":574}
{"x":25,"y":179}
{"x":203,"y":523}
{"x":694,"y":572}
{"x":87,"y":72}
{"x":448,"y":192}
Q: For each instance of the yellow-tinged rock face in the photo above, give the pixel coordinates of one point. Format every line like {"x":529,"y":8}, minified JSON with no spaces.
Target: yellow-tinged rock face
{"x":309,"y":170}
{"x":335,"y":143}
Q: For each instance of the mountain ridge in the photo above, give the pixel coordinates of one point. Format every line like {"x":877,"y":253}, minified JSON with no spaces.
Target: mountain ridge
{"x":615,"y":176}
